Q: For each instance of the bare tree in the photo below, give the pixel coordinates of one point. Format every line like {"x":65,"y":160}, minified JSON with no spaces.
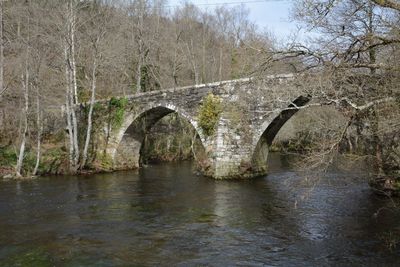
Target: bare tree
{"x":39,"y":125}
{"x":356,"y":73}
{"x":25,"y":82}
{"x":100,"y":19}
{"x":71,"y":82}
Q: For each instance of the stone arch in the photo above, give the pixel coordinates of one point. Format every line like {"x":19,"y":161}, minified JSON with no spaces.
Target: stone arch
{"x":125,"y":144}
{"x":269,"y":129}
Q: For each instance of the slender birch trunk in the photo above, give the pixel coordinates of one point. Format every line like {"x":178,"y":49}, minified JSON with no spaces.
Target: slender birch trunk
{"x":68,"y":109}
{"x":72,"y":26}
{"x":174,"y":72}
{"x":139,"y":73}
{"x":204,"y":76}
{"x":141,"y":50}
{"x":39,"y":132}
{"x":89,"y":126}
{"x":73,"y":87}
{"x":75,"y":134}
{"x":25,"y":86}
{"x":193,"y":62}
{"x":220,"y":64}
{"x":71,"y":97}
{"x":70,"y":78}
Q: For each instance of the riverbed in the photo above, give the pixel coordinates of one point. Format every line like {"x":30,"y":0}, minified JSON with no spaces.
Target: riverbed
{"x":166,"y":215}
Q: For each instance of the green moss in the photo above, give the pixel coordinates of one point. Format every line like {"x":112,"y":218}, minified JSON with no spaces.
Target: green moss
{"x":98,"y":109}
{"x":105,"y":162}
{"x":117,"y":111}
{"x":209,"y":114}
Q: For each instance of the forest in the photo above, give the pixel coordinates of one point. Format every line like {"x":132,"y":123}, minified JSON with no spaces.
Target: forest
{"x":55,"y":55}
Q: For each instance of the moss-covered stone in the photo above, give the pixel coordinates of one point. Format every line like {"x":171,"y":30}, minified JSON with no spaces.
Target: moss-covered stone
{"x":117,"y":111}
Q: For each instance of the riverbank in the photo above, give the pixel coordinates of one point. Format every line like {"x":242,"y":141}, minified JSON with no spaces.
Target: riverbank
{"x":162,"y":148}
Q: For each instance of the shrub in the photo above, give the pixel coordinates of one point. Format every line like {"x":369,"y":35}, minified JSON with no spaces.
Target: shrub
{"x":117,"y":108}
{"x":209,"y":114}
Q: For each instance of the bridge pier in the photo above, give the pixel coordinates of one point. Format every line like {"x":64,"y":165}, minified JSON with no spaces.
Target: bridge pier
{"x":234,"y":154}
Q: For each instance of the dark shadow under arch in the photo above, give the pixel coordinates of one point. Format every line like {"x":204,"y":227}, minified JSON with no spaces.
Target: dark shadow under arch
{"x":274,"y":127}
{"x":128,"y":152}
{"x":260,"y":154}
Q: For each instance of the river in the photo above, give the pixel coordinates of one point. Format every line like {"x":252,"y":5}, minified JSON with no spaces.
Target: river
{"x":164,"y":215}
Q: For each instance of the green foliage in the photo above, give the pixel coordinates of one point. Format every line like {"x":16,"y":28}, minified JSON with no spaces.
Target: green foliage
{"x":8,"y":157}
{"x":34,"y":257}
{"x":117,"y":110}
{"x":104,"y":162}
{"x":53,"y":160}
{"x":209,"y":114}
{"x":97,"y":107}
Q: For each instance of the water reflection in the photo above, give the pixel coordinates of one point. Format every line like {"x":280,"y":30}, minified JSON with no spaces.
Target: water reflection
{"x":166,"y":215}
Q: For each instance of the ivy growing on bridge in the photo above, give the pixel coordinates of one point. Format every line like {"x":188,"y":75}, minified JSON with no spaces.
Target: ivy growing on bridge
{"x":117,"y":110}
{"x":209,"y":113}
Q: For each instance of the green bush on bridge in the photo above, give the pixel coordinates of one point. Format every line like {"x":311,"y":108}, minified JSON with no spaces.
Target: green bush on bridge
{"x":209,"y":114}
{"x":117,"y":108}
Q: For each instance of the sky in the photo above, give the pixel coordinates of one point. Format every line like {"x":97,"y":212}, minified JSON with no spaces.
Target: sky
{"x":272,"y":15}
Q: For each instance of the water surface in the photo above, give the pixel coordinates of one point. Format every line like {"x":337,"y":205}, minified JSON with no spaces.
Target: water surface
{"x":166,"y":215}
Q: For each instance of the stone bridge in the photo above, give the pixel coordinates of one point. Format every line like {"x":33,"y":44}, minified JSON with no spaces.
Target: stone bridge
{"x":251,"y":114}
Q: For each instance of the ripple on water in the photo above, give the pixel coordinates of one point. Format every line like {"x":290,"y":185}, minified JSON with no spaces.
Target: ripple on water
{"x":165,"y":215}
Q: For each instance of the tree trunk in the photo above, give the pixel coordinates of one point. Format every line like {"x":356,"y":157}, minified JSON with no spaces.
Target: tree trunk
{"x":68,"y":111}
{"x":139,"y":37}
{"x":75,"y":134}
{"x":72,"y":84}
{"x":193,"y":62}
{"x":25,"y":86}
{"x":72,"y":23}
{"x":220,"y":64}
{"x":89,"y":126}
{"x":139,"y":74}
{"x":377,"y":143}
{"x":372,"y":51}
{"x":39,"y":133}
